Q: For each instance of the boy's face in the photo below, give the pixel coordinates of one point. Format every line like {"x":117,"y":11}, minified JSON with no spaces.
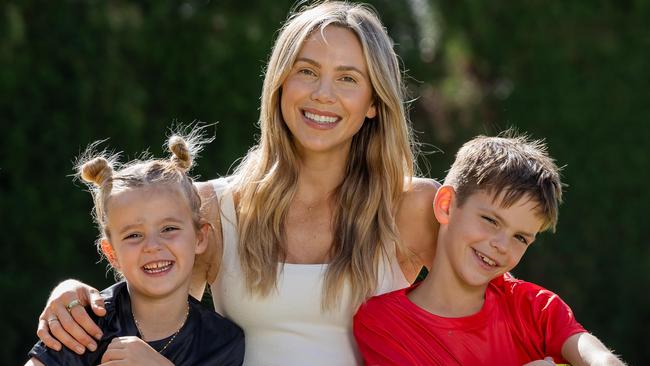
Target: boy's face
{"x":153,"y":239}
{"x":483,"y":240}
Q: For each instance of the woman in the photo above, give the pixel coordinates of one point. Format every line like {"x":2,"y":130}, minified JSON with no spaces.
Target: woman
{"x":323,"y":213}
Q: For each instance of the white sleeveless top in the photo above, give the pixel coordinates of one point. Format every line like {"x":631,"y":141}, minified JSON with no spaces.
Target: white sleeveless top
{"x":288,"y":327}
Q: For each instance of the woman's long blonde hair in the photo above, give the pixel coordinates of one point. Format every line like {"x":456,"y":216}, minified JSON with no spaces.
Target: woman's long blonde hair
{"x":379,"y":164}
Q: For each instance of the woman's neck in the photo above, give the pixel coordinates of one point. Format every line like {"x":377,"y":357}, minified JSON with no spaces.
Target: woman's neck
{"x":320,"y":173}
{"x":159,"y":318}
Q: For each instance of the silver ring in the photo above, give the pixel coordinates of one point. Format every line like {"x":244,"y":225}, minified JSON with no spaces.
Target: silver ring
{"x":52,"y":319}
{"x":72,"y":304}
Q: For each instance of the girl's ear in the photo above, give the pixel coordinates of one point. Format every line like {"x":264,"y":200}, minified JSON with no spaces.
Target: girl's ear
{"x":202,"y":238}
{"x":442,"y":203}
{"x":108,"y":251}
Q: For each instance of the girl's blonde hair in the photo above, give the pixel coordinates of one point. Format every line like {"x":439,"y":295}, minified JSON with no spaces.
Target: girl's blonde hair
{"x":380,"y":159}
{"x":105,"y":176}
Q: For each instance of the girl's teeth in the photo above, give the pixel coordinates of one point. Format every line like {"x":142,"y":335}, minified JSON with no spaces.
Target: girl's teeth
{"x":320,"y":119}
{"x":157,"y":267}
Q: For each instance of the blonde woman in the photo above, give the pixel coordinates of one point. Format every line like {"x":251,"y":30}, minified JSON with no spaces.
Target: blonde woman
{"x":323,"y":213}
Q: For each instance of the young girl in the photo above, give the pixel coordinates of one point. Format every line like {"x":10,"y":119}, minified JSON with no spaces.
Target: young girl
{"x":151,"y":230}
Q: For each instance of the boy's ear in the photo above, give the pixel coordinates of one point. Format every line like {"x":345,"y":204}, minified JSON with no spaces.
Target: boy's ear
{"x":442,"y":203}
{"x":202,"y":238}
{"x":108,"y":251}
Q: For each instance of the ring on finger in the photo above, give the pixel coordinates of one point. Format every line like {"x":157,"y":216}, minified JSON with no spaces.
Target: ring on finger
{"x":72,"y":304}
{"x":52,"y":319}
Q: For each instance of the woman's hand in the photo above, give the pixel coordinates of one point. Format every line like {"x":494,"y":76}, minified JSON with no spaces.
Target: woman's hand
{"x":65,"y":320}
{"x":132,"y":351}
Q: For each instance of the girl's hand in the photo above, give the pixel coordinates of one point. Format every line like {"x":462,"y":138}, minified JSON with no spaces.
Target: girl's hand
{"x":65,"y":320}
{"x":123,"y":351}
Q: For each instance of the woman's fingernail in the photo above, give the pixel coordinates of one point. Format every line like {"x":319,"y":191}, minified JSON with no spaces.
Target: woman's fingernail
{"x":92,"y":347}
{"x":98,"y":336}
{"x":79,"y":349}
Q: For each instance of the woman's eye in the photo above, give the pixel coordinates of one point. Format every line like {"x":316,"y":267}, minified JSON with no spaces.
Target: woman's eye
{"x":349,"y":79}
{"x":306,"y":72}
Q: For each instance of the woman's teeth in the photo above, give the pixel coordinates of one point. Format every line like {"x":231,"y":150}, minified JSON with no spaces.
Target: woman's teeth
{"x":320,"y":119}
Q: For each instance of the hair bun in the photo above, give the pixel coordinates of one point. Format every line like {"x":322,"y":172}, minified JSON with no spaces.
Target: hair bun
{"x":182,"y":155}
{"x":97,"y":171}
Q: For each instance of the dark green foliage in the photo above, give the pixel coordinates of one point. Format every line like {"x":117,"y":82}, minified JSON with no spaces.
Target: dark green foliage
{"x":575,"y":73}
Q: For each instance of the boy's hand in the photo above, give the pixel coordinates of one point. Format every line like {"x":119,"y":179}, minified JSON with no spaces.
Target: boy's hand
{"x":64,"y":319}
{"x":547,"y":361}
{"x":123,"y":351}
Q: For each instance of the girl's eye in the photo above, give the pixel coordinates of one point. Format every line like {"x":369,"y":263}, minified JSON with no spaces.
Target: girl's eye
{"x":132,"y":236}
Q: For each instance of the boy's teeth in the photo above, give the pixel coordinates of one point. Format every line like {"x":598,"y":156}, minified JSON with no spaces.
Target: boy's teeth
{"x":486,"y":259}
{"x":320,"y":119}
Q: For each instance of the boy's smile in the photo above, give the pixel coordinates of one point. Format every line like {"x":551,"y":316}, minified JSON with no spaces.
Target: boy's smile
{"x":482,"y":239}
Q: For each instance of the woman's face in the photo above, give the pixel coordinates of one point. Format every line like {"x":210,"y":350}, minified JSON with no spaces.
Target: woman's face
{"x":327,"y":95}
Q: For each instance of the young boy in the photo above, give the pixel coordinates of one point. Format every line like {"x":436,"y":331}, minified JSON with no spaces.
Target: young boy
{"x":499,"y":193}
{"x":148,"y":213}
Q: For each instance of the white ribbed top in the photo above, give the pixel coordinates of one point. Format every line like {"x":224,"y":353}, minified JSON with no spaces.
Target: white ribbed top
{"x":288,"y":327}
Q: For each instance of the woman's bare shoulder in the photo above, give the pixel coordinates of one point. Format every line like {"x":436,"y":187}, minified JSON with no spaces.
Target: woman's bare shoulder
{"x":416,"y":222}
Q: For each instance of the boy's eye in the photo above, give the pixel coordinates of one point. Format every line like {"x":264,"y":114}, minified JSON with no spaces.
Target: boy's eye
{"x":489,"y":219}
{"x":168,"y":229}
{"x":521,"y":239}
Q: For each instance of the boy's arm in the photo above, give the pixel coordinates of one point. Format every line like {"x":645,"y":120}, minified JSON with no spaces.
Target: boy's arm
{"x":585,"y":349}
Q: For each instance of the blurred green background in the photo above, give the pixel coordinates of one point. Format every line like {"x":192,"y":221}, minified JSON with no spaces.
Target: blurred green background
{"x":575,"y":73}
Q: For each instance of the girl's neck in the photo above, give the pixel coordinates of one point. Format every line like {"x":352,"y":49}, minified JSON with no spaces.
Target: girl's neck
{"x":159,"y":318}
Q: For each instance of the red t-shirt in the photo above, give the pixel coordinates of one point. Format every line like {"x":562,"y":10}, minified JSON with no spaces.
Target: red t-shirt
{"x":518,"y":323}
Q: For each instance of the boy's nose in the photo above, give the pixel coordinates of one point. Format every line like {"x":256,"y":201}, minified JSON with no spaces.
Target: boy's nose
{"x":499,"y":243}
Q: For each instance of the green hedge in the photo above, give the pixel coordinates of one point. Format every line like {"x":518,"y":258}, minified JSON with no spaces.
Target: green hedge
{"x":72,"y":72}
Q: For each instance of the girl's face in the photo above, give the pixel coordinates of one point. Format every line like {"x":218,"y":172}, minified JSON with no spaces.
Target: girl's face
{"x":327,"y":95}
{"x":153,"y":240}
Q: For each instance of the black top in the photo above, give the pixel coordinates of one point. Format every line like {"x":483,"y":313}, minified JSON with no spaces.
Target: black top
{"x":207,"y":338}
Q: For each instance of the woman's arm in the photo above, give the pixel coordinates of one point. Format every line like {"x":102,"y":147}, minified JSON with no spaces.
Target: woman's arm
{"x":65,"y":320}
{"x":206,"y":266}
{"x":418,"y":228}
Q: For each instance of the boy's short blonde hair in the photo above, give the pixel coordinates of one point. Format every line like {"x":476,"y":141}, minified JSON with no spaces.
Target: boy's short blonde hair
{"x":510,"y":166}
